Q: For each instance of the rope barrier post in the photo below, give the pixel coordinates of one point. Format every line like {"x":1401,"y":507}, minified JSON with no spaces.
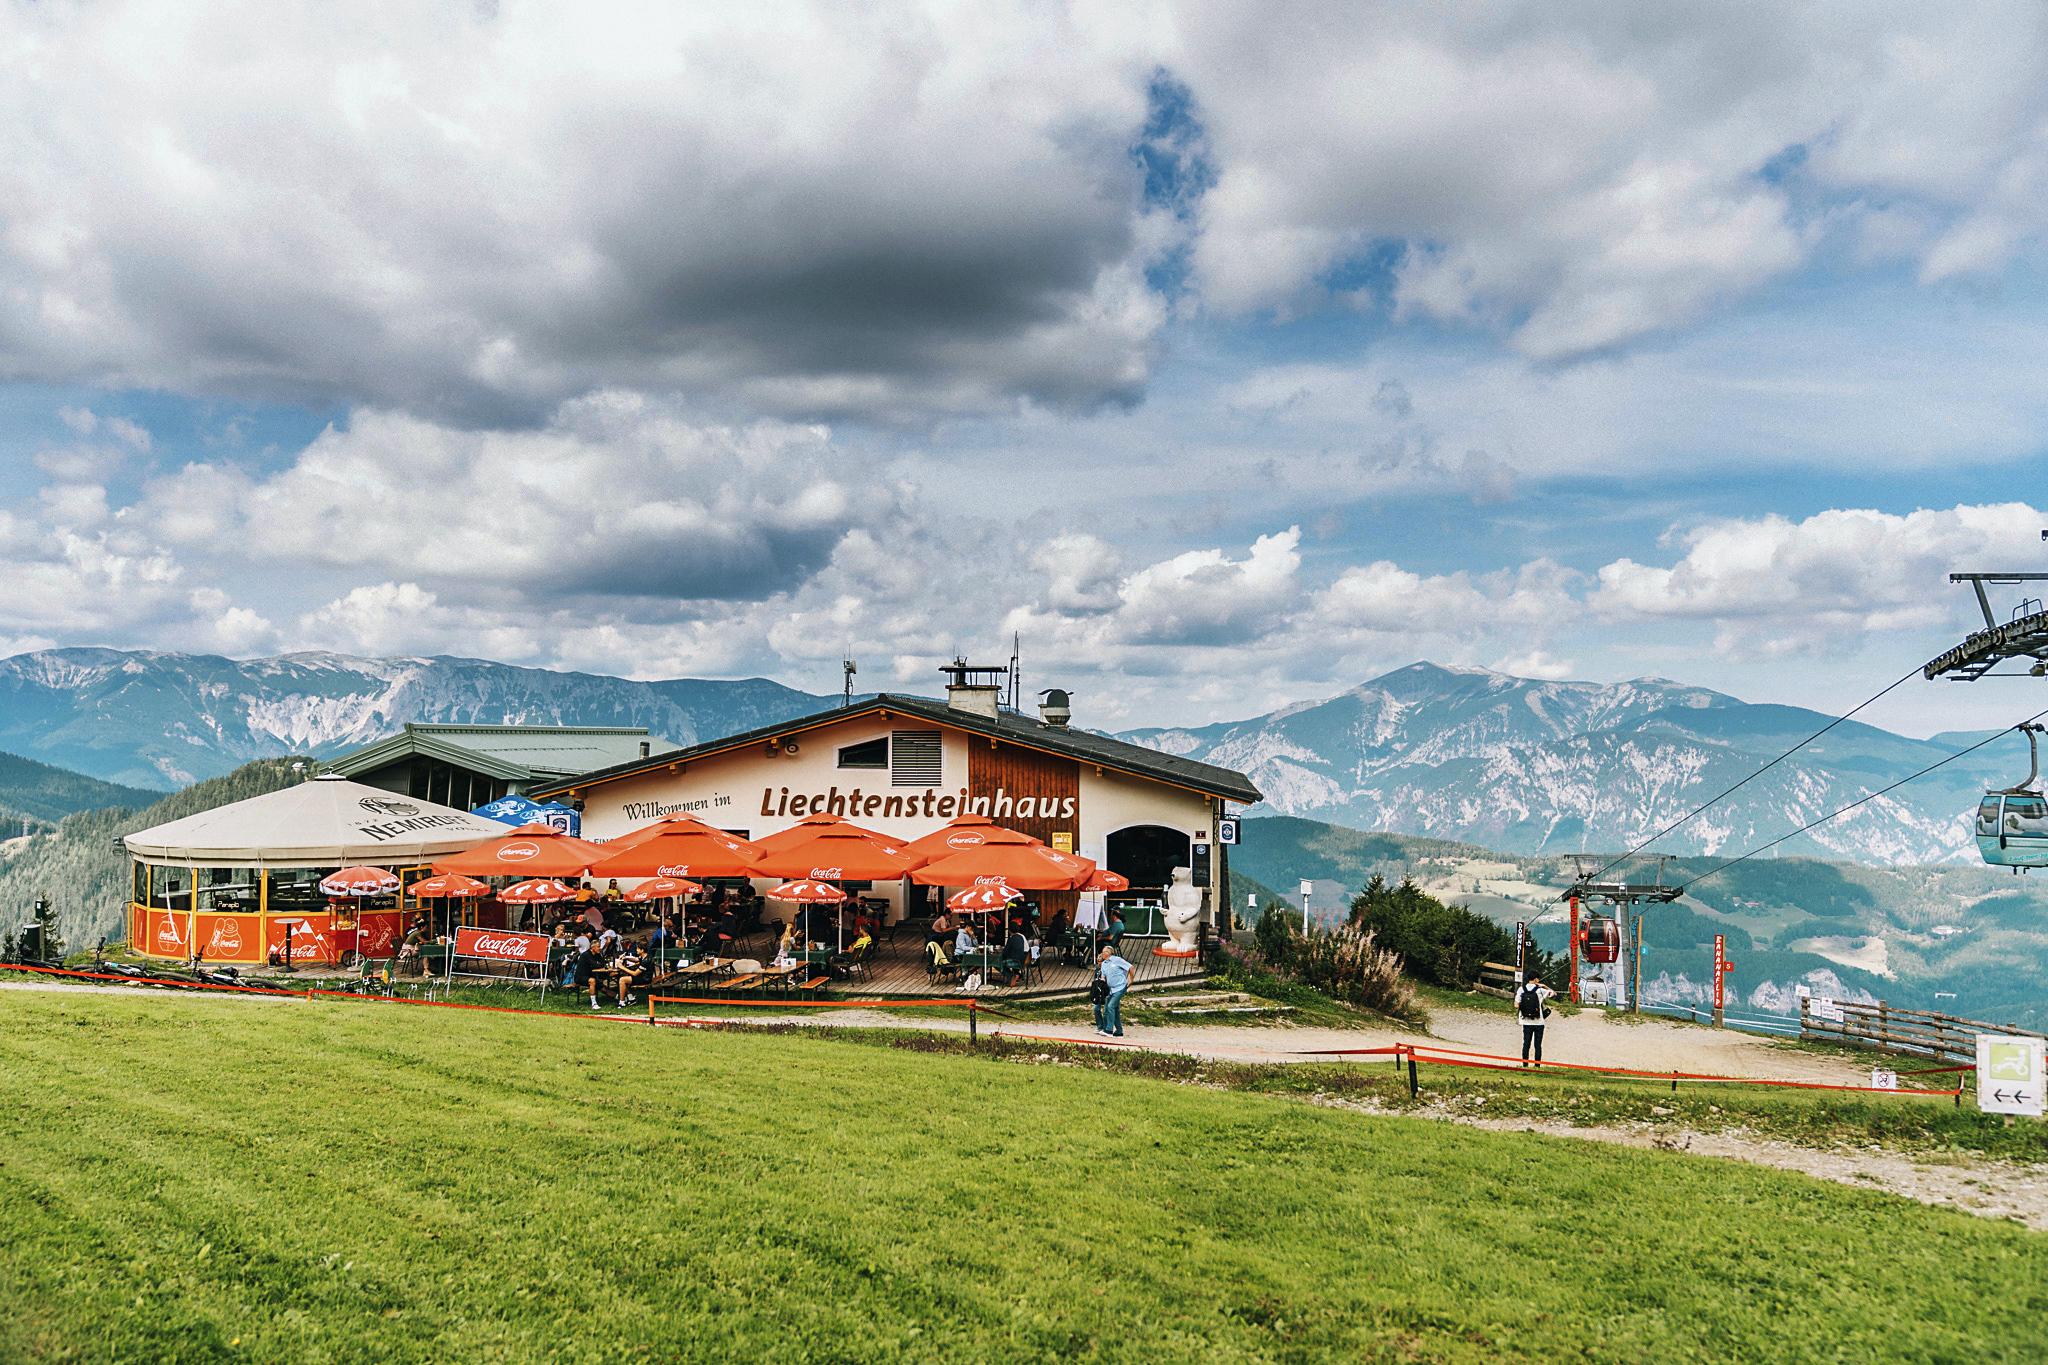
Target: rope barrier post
{"x":650,"y":1007}
{"x":1414,"y":1082}
{"x":972,"y":1013}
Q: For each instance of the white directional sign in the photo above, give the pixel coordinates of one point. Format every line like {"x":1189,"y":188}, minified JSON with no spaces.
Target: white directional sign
{"x":2012,"y":1074}
{"x":1824,"y":1007}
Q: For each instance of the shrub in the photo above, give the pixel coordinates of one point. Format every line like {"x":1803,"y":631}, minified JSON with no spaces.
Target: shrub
{"x":1441,"y":944}
{"x":1345,"y":963}
{"x":1274,"y":935}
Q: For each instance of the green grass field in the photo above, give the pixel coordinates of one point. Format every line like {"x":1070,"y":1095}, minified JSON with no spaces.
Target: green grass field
{"x":203,"y":1179}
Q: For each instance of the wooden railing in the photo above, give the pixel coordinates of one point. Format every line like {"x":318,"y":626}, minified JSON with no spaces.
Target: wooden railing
{"x":1921,"y":1033}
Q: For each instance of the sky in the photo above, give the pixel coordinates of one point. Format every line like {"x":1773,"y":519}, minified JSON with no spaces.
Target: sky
{"x":1224,"y":355}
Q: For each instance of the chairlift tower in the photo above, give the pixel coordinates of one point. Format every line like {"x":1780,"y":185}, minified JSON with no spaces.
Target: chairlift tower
{"x":1622,"y":973}
{"x":2022,"y":635}
{"x":2011,"y":823}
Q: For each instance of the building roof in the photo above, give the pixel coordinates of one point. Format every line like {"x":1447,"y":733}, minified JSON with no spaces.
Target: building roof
{"x":326,"y":822}
{"x":1080,"y":745}
{"x":512,"y":753}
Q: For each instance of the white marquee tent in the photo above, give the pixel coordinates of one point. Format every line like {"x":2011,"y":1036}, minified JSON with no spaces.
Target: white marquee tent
{"x":326,"y":822}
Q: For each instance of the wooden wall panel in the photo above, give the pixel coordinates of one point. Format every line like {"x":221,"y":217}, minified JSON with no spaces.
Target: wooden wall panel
{"x":1011,"y":774}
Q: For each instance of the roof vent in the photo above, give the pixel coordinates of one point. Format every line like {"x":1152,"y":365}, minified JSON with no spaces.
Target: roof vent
{"x":974,"y":687}
{"x":1054,"y":706}
{"x":645,"y":748}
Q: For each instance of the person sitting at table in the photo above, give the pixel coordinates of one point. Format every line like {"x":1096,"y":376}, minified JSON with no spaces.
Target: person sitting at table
{"x":786,"y":946}
{"x":963,"y":942}
{"x":611,"y":895}
{"x":1115,"y":932}
{"x":409,"y":951}
{"x":1016,"y":955}
{"x":633,"y":972}
{"x":942,"y":927}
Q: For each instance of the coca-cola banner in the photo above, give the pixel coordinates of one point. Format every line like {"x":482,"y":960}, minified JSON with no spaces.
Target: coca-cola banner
{"x":313,"y":938}
{"x":501,"y":945}
{"x":377,"y":932}
{"x":231,"y":938}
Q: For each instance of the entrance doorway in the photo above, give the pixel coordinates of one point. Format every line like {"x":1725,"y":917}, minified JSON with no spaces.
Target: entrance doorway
{"x":1147,"y":854}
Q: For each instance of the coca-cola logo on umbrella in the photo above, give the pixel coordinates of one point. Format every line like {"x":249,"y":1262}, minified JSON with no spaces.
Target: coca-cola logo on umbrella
{"x":379,"y":805}
{"x":518,"y":853}
{"x":964,"y":839}
{"x":673,"y":870}
{"x":825,"y":874}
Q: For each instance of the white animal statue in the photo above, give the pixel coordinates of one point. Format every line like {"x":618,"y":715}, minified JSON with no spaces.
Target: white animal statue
{"x":1183,"y":916}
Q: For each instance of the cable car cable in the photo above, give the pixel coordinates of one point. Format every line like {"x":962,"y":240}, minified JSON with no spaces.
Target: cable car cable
{"x":1913,"y":672}
{"x":1871,"y":796}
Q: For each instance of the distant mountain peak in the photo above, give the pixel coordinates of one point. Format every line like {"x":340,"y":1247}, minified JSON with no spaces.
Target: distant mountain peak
{"x":1532,"y":765}
{"x":156,"y":719}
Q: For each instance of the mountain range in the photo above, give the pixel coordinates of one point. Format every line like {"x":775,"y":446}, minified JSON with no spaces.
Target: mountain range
{"x":163,"y":720}
{"x":1520,"y":765}
{"x":1530,"y":766}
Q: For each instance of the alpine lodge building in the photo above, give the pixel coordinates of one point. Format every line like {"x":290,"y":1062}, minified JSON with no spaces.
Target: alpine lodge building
{"x":904,"y":766}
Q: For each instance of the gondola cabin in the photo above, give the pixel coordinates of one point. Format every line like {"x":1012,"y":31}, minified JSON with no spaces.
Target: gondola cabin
{"x":1602,"y":939}
{"x":2012,"y":829}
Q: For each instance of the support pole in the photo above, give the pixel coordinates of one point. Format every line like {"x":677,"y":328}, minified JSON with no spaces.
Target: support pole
{"x":972,"y":1035}
{"x":1414,"y":1083}
{"x":1572,"y":982}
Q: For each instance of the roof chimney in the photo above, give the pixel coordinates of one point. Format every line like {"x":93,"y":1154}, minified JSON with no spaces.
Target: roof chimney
{"x":973,"y":688}
{"x":646,"y":748}
{"x":1054,"y":706}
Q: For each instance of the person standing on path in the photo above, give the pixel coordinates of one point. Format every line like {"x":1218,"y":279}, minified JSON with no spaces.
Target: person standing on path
{"x":1532,"y":1003}
{"x":1116,"y":975}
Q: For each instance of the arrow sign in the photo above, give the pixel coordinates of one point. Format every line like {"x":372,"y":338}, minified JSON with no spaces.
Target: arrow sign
{"x":2002,"y":1059}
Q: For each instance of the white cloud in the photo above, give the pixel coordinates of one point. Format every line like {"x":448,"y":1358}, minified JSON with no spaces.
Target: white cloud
{"x":1777,"y":585}
{"x":485,"y":210}
{"x":615,"y":497}
{"x":1576,"y":178}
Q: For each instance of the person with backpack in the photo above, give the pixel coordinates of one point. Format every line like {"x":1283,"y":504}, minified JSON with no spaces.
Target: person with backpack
{"x":1532,"y":1003}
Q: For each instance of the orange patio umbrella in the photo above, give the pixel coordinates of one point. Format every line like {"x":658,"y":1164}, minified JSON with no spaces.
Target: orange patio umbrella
{"x":529,"y":851}
{"x":359,"y":883}
{"x":662,"y":888}
{"x":1102,"y":879}
{"x":658,"y":827}
{"x":958,"y":835}
{"x":838,"y":853}
{"x":808,"y":893}
{"x":448,"y":886}
{"x":683,"y":847}
{"x":538,"y":891}
{"x":985,"y":899}
{"x":1019,"y":862}
{"x":811,"y":826}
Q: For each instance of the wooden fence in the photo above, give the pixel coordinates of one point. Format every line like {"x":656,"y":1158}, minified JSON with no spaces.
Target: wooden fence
{"x":1920,"y":1033}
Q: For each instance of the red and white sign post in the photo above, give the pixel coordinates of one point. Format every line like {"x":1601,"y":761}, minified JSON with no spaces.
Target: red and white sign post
{"x":1721,"y":969}
{"x":499,"y":955}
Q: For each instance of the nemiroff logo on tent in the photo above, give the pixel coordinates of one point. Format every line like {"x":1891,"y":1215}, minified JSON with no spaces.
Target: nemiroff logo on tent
{"x":518,"y":853}
{"x":502,"y":945}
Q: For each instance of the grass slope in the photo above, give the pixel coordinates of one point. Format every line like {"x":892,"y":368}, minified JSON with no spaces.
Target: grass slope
{"x":301,"y":1181}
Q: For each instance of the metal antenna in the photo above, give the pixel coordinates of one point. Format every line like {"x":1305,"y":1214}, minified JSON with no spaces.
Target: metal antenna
{"x":849,"y":668}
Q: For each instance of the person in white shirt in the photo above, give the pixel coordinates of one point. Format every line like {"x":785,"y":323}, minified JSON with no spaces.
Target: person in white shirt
{"x":1532,"y":1003}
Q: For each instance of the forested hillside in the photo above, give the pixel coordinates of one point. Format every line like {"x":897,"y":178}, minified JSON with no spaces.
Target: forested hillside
{"x":44,"y":794}
{"x":1894,"y":933}
{"x":83,"y":872}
